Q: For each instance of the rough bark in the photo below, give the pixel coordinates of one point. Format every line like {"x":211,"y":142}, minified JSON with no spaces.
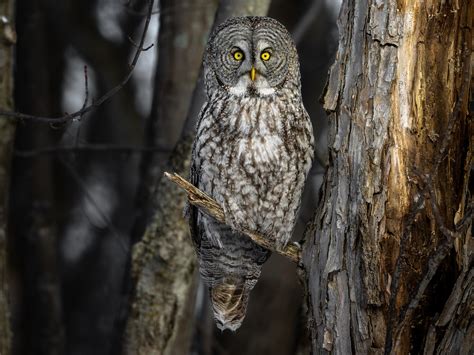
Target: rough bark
{"x":7,"y":129}
{"x":163,"y":265}
{"x":386,"y":246}
{"x":164,"y":268}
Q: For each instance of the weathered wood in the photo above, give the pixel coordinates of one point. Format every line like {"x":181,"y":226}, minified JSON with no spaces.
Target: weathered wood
{"x":209,"y":206}
{"x":7,"y":130}
{"x":397,"y":101}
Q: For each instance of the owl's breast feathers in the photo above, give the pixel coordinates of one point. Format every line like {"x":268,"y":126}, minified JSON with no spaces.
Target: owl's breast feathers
{"x":252,"y":156}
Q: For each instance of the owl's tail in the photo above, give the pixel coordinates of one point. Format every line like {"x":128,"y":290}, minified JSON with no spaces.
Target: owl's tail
{"x":229,"y":303}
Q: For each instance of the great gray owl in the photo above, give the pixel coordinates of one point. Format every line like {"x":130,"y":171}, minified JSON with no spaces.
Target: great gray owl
{"x":252,"y":152}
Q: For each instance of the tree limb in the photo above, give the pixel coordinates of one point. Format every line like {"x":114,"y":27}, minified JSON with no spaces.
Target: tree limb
{"x":210,"y":207}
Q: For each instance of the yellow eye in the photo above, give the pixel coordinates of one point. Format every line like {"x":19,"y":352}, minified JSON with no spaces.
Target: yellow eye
{"x":265,"y":56}
{"x":238,"y":55}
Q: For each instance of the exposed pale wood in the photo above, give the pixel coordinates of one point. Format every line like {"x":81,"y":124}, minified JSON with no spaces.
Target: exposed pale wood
{"x":398,"y":106}
{"x":209,"y":206}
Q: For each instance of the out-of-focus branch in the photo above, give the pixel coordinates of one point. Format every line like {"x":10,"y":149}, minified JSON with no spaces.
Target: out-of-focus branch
{"x":305,"y":22}
{"x":209,"y":206}
{"x":95,"y":104}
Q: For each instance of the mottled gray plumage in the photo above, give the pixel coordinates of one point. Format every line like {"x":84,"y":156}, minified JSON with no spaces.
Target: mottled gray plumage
{"x":253,"y":150}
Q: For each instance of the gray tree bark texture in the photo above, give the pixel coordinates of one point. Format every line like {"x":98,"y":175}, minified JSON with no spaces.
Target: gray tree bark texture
{"x":164,"y":269}
{"x":163,"y":265}
{"x":388,"y":257}
{"x":7,"y":130}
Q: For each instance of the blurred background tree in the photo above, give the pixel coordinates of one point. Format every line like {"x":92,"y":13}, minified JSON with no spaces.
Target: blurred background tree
{"x":83,"y":193}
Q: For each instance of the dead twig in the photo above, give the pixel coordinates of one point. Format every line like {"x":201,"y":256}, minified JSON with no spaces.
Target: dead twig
{"x":210,"y":207}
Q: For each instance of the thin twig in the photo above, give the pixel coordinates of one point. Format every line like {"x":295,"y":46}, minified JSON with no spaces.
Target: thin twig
{"x":135,"y":44}
{"x":86,"y":89}
{"x":210,"y":207}
{"x":78,"y":114}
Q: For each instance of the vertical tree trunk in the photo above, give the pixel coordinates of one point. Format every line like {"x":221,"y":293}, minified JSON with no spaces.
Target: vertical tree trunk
{"x":164,"y":268}
{"x":163,"y":263}
{"x":37,"y":302}
{"x":184,"y":27}
{"x":388,"y":258}
{"x":7,"y":130}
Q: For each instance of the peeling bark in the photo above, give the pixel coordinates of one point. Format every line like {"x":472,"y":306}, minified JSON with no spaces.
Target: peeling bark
{"x":397,"y":97}
{"x":7,"y":130}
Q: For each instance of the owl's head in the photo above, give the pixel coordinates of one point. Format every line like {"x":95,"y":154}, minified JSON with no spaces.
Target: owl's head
{"x":251,"y":56}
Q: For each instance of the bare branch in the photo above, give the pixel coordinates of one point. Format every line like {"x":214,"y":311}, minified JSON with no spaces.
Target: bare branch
{"x":210,"y":207}
{"x":86,"y":88}
{"x":78,"y":114}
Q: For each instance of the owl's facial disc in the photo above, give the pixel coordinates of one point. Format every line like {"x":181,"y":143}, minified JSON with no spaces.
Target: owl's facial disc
{"x":251,"y":73}
{"x":251,"y":56}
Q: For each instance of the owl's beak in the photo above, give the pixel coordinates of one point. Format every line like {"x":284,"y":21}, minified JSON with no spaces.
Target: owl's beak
{"x":253,"y":73}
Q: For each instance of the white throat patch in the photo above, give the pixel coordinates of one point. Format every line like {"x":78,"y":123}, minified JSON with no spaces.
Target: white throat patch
{"x":244,"y":83}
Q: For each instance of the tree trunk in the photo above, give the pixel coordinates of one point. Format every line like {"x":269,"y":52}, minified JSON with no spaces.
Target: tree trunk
{"x":33,"y":229}
{"x":164,"y":266}
{"x":7,"y":130}
{"x":184,"y":27}
{"x":388,"y":257}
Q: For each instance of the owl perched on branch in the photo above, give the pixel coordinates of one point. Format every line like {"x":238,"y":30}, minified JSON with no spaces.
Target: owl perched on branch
{"x":252,"y":153}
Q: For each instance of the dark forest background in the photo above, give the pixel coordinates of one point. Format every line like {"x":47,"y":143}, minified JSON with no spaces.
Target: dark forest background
{"x":80,"y":191}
